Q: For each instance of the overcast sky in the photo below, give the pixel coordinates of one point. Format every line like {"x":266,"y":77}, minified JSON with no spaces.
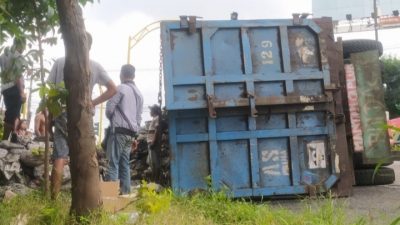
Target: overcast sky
{"x":112,"y":21}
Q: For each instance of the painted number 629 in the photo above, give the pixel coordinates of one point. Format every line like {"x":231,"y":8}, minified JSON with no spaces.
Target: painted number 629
{"x":266,"y":55}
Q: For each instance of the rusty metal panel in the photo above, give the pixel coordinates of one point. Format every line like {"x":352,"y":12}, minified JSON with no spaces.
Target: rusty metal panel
{"x":250,"y":106}
{"x":372,"y":107}
{"x":332,"y":53}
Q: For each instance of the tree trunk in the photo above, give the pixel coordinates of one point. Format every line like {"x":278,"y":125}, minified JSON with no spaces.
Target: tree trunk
{"x":81,"y":141}
{"x":46,"y":128}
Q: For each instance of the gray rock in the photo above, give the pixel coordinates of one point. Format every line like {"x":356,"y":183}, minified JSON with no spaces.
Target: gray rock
{"x":8,"y":195}
{"x":30,"y":160}
{"x":10,"y":169}
{"x":18,"y":151}
{"x":66,"y":174}
{"x":38,"y":172}
{"x":9,"y":145}
{"x":36,"y":145}
{"x":3,"y":153}
{"x":66,"y":186}
{"x":16,"y":188}
{"x":11,"y":158}
{"x":20,"y":189}
{"x":2,"y":165}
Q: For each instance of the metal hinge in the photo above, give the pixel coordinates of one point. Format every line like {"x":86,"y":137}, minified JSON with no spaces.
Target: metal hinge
{"x":189,"y":22}
{"x":210,"y":103}
{"x":299,"y":17}
{"x":252,"y":104}
{"x":332,"y":87}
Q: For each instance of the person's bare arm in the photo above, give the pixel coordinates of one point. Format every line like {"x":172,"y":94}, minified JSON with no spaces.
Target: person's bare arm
{"x":37,"y":125}
{"x":111,"y":90}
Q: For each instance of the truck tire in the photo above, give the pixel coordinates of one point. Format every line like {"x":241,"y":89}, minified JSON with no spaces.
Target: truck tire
{"x":360,"y":45}
{"x":383,"y":175}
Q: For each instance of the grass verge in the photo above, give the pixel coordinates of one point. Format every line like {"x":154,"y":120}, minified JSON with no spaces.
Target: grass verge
{"x":165,"y":208}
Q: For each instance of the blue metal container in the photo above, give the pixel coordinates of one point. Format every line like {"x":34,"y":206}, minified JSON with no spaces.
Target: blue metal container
{"x":248,"y":106}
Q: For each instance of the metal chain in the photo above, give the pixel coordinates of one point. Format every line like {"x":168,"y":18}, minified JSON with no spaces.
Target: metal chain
{"x":160,"y":75}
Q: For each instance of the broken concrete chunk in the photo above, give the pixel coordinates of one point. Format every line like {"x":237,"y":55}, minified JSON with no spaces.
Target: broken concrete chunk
{"x":11,"y":158}
{"x":66,"y":174}
{"x":38,"y":172}
{"x":30,"y":160}
{"x":2,"y":165}
{"x":11,"y":169}
{"x":9,"y":145}
{"x":8,"y":195}
{"x":18,"y":151}
{"x":3,"y":153}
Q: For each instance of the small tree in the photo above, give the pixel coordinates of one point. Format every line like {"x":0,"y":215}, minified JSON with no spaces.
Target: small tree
{"x":391,"y":77}
{"x":34,"y":19}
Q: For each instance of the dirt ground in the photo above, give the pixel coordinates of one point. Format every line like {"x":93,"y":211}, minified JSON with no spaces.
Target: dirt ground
{"x":376,"y":205}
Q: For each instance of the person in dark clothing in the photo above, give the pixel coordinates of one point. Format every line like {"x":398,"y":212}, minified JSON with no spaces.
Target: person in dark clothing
{"x":12,"y":66}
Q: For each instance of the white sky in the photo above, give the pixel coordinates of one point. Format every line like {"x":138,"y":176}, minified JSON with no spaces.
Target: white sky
{"x":111,"y":22}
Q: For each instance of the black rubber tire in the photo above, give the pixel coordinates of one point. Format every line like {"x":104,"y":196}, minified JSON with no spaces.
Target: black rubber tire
{"x":360,"y":45}
{"x":383,"y":175}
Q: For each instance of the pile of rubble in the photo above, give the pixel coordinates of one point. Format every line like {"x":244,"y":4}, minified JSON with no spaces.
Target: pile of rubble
{"x":140,"y":170}
{"x":22,"y":167}
{"x":20,"y":164}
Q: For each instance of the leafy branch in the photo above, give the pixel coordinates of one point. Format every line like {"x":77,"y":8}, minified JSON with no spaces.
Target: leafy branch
{"x":54,"y":97}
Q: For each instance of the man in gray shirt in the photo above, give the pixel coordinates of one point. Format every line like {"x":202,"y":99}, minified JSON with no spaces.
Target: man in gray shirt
{"x":61,"y":151}
{"x":124,"y":110}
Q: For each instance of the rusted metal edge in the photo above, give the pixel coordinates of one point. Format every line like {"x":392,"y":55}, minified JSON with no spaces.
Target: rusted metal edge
{"x":274,"y":100}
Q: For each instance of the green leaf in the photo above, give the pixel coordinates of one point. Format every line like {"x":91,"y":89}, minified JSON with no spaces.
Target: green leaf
{"x":396,"y":221}
{"x":53,"y":93}
{"x":54,"y":108}
{"x":43,"y":90}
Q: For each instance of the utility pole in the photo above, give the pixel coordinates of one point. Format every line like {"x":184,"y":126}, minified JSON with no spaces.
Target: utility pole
{"x":376,"y":20}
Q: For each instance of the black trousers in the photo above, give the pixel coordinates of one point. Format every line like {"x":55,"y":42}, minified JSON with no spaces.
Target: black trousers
{"x":13,"y":102}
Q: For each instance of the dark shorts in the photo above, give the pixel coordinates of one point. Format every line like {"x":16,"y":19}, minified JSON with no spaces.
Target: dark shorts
{"x":13,"y":103}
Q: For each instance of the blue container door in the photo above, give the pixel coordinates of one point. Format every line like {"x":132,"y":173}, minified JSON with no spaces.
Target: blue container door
{"x":248,"y":107}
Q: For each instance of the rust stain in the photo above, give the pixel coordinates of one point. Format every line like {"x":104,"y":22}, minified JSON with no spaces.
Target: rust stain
{"x":193,"y":98}
{"x":172,"y":40}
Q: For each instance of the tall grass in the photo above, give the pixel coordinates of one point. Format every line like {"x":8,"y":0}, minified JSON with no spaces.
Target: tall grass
{"x":198,"y":209}
{"x":217,"y":208}
{"x":36,"y":209}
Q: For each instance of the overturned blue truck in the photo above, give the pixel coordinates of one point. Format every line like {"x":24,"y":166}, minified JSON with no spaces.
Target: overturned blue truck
{"x":261,"y":108}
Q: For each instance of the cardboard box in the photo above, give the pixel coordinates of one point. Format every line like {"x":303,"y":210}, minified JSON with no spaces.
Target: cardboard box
{"x":112,"y":201}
